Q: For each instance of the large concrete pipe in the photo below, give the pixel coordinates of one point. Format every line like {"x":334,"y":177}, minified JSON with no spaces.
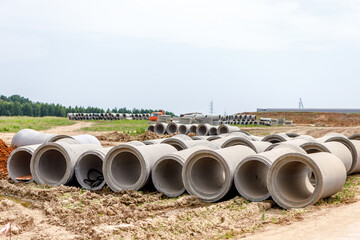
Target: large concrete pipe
{"x":27,"y":137}
{"x":18,"y":163}
{"x":203,"y":129}
{"x":257,"y":146}
{"x":129,"y":167}
{"x":250,"y":175}
{"x":160,"y":128}
{"x":209,"y":174}
{"x":306,"y":137}
{"x":235,"y":134}
{"x":151,"y":128}
{"x":153,"y":141}
{"x":88,"y":169}
{"x":86,"y":139}
{"x":172,"y":128}
{"x":184,"y":128}
{"x":213,"y":130}
{"x":213,"y":117}
{"x":180,"y":144}
{"x":291,"y":190}
{"x":276,"y":138}
{"x":53,"y":163}
{"x":295,"y":142}
{"x":182,"y":137}
{"x":166,"y":173}
{"x":227,"y":129}
{"x":201,"y":137}
{"x":193,"y":128}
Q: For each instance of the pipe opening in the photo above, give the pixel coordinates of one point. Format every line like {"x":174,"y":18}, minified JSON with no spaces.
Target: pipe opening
{"x":192,"y":129}
{"x":168,"y":176}
{"x":183,"y":129}
{"x":223,"y":130}
{"x":202,"y":130}
{"x":20,"y":164}
{"x":293,"y":182}
{"x":52,"y":166}
{"x":172,"y":129}
{"x":90,"y":170}
{"x":207,"y":176}
{"x":251,"y":178}
{"x":159,"y":129}
{"x":213,"y":131}
{"x":125,"y":169}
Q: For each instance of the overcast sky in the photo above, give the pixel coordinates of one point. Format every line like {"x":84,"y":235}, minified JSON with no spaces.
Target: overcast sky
{"x":178,"y":55}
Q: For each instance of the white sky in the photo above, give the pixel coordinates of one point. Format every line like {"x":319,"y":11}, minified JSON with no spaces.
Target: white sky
{"x":178,"y":55}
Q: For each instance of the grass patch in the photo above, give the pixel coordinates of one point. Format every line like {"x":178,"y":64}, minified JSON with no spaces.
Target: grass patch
{"x":131,"y":127}
{"x":14,"y":124}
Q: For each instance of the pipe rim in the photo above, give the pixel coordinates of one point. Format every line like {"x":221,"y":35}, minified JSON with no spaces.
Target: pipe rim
{"x":186,"y":175}
{"x":11,"y":156}
{"x":233,"y":141}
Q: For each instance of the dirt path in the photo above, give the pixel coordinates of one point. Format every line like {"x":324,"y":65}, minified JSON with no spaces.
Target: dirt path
{"x":341,"y":223}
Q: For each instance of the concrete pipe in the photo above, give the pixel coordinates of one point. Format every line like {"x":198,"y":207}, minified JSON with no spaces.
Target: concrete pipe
{"x":184,"y":128}
{"x":250,"y":175}
{"x":352,"y":145}
{"x":151,"y":128}
{"x":160,"y":128}
{"x":235,"y":134}
{"x":193,"y":128}
{"x":227,"y":129}
{"x":26,"y":137}
{"x":306,"y":137}
{"x":172,"y":128}
{"x":166,"y":173}
{"x":86,"y":139}
{"x":295,"y":142}
{"x":276,"y":138}
{"x":135,"y":143}
{"x":257,"y":146}
{"x":201,"y":137}
{"x":180,"y":144}
{"x":209,"y":174}
{"x":214,"y":117}
{"x":182,"y":137}
{"x":213,"y":130}
{"x":53,"y":163}
{"x":292,"y":135}
{"x":88,"y":169}
{"x":213,"y":137}
{"x":18,"y":163}
{"x":203,"y":129}
{"x":129,"y":167}
{"x":153,"y":141}
{"x":291,"y":190}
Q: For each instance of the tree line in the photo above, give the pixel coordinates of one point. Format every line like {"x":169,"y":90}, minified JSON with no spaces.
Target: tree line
{"x":17,"y":105}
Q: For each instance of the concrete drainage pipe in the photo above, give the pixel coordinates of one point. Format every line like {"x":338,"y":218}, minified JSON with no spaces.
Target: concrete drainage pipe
{"x":257,"y":146}
{"x":129,"y":167}
{"x":209,"y":174}
{"x":26,"y":137}
{"x":53,"y":163}
{"x":291,"y":190}
{"x":172,"y":128}
{"x":184,"y":128}
{"x":160,"y":128}
{"x":166,"y":173}
{"x":151,"y":128}
{"x":250,"y":175}
{"x":213,"y":130}
{"x":276,"y":138}
{"x":88,"y":169}
{"x":227,"y":129}
{"x":18,"y":163}
{"x":193,"y":128}
{"x":153,"y":141}
{"x":201,"y":137}
{"x":180,"y":144}
{"x":203,"y":129}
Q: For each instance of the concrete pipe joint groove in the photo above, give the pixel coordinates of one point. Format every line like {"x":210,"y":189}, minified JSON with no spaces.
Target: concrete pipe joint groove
{"x":129,"y":167}
{"x":291,"y":190}
{"x":166,"y":173}
{"x":227,"y":129}
{"x":250,"y":175}
{"x":88,"y":169}
{"x":54,"y":163}
{"x":18,"y":164}
{"x":208,"y":174}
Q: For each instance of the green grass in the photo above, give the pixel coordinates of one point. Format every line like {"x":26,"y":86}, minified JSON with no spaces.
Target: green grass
{"x":14,"y":124}
{"x":125,"y":126}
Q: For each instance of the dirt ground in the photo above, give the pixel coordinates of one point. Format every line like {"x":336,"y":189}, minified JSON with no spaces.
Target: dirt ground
{"x":43,"y":212}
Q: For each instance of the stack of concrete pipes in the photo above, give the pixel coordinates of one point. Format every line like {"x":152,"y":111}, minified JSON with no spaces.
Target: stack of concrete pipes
{"x":203,"y":129}
{"x":295,"y":171}
{"x":108,"y":116}
{"x":239,"y":120}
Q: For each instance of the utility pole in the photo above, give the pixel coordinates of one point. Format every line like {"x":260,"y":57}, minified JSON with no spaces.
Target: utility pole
{"x":301,"y":105}
{"x":211,"y":107}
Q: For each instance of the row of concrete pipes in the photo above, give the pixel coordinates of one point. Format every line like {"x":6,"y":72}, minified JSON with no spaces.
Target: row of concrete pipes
{"x":200,"y":129}
{"x":108,"y":116}
{"x":294,"y":170}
